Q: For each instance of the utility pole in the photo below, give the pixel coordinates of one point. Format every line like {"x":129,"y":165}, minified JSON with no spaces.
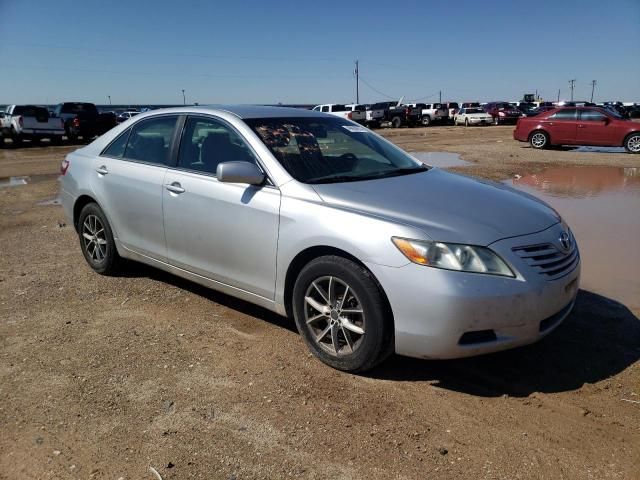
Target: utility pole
{"x":558,"y":95}
{"x":356,"y":72}
{"x":593,"y":87}
{"x":184,"y":99}
{"x":572,"y":84}
{"x":440,"y":92}
{"x":109,"y":99}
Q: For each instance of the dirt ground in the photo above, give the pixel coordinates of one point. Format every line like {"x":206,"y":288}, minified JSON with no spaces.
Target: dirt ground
{"x":101,"y":378}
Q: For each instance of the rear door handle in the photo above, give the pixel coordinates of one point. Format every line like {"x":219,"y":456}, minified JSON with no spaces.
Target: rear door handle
{"x":174,"y":187}
{"x":581,"y":126}
{"x":102,"y":170}
{"x":551,"y":124}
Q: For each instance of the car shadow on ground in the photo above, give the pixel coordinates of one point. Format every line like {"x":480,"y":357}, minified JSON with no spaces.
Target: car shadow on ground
{"x":135,"y":270}
{"x":599,"y":339}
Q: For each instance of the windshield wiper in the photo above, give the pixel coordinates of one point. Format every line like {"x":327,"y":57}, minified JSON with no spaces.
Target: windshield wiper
{"x":370,"y":176}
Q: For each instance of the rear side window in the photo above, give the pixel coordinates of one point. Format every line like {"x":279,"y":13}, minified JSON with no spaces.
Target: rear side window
{"x":566,"y":114}
{"x":592,"y":116}
{"x":149,"y":140}
{"x":117,"y":147}
{"x":325,"y":108}
{"x":207,"y":142}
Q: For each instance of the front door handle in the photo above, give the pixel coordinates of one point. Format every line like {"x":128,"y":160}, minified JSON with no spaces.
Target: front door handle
{"x":102,"y":170}
{"x":174,"y":187}
{"x":551,"y":124}
{"x":581,"y":126}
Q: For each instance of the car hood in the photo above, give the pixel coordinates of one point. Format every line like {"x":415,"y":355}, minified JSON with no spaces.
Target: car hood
{"x":446,"y":206}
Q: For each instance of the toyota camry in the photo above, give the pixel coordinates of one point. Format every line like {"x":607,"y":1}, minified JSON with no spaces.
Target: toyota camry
{"x":317,"y":218}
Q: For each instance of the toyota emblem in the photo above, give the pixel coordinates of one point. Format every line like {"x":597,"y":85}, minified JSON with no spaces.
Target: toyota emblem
{"x":565,"y":241}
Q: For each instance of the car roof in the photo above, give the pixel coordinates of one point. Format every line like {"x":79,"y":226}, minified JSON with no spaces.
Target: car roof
{"x":245,"y":111}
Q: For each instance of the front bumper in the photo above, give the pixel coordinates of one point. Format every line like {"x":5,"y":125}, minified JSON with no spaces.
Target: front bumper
{"x":443,"y":314}
{"x":480,"y":121}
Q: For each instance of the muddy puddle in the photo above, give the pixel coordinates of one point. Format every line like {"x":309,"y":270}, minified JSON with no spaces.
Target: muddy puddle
{"x":601,"y":149}
{"x":440,"y":159}
{"x":602,"y":206}
{"x":24,"y":180}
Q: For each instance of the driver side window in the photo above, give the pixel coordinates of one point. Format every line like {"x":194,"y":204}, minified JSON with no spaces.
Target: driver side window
{"x":207,"y":142}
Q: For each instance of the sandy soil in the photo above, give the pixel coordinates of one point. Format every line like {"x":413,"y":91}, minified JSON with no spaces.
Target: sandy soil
{"x":101,"y":378}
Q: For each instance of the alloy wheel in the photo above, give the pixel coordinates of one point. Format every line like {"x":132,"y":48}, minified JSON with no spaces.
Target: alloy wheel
{"x":94,"y":238}
{"x":538,"y":140}
{"x":334,"y":315}
{"x":633,"y":144}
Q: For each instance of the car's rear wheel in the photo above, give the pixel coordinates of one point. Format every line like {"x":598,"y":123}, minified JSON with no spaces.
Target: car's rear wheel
{"x":466,"y":122}
{"x":539,"y":140}
{"x":426,"y":121}
{"x":496,"y":121}
{"x":396,"y":122}
{"x":342,"y":314}
{"x":96,"y":240}
{"x":632,"y":143}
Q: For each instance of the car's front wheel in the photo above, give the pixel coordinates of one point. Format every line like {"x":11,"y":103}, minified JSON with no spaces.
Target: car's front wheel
{"x":632,"y":143}
{"x":96,"y":240}
{"x":539,"y":140}
{"x":342,"y":314}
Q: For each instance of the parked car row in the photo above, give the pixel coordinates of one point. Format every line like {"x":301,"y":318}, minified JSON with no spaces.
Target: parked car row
{"x":398,"y":114}
{"x":68,"y":119}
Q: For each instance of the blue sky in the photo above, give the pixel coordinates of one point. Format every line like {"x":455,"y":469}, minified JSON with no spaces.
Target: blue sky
{"x":297,"y":51}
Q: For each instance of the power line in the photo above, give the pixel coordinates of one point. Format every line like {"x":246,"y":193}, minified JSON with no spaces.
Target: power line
{"x":375,"y":89}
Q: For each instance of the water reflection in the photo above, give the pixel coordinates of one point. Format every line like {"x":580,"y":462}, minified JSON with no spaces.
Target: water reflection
{"x":602,"y":206}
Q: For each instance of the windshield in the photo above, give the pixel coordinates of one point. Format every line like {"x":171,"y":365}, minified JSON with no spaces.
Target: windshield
{"x":327,"y":150}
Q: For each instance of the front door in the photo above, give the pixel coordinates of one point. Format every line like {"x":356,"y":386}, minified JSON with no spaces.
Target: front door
{"x":594,"y":128}
{"x":223,"y":231}
{"x":128,"y":184}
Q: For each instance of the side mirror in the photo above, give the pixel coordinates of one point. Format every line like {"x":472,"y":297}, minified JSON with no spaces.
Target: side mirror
{"x":240,"y":172}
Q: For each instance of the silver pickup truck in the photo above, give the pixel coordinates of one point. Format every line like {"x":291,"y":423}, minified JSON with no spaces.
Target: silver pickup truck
{"x":21,"y":122}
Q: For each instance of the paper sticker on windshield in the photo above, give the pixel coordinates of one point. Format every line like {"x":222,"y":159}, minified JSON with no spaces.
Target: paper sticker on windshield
{"x":355,"y":128}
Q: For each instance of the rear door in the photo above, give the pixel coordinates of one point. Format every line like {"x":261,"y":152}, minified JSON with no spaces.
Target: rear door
{"x":128,"y":183}
{"x":223,"y":231}
{"x":562,"y":126}
{"x":594,"y":128}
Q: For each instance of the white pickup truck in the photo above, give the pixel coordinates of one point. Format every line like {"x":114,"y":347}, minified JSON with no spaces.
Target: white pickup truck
{"x":345,"y":111}
{"x":20,"y":122}
{"x":432,"y":112}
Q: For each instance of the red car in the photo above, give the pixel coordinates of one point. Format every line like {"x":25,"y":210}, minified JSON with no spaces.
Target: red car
{"x":502,"y":112}
{"x":579,"y":126}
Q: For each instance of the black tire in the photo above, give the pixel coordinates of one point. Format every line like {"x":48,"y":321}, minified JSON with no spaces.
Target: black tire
{"x":466,"y":122}
{"x":632,"y":143}
{"x":496,"y":121}
{"x":426,"y":120}
{"x":370,"y":348}
{"x":539,"y":140}
{"x":396,"y":122}
{"x":104,"y":261}
{"x":57,"y":140}
{"x":15,"y":138}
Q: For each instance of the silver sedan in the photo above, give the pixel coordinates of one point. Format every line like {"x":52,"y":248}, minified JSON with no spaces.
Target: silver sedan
{"x":319,"y":219}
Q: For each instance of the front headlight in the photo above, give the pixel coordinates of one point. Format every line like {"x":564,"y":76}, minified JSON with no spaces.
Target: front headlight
{"x":453,"y":256}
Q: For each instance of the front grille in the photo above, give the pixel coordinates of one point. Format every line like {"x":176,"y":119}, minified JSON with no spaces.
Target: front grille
{"x":548,"y":260}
